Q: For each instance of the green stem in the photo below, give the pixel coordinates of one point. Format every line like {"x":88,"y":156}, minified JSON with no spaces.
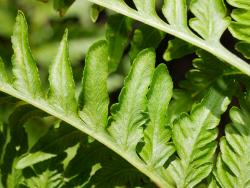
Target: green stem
{"x":217,"y":50}
{"x":76,"y":122}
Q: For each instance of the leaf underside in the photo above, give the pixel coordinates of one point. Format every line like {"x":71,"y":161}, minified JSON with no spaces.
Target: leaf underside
{"x":140,"y":116}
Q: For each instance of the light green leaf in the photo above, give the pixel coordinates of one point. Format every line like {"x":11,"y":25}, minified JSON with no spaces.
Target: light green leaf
{"x":94,"y":97}
{"x":33,"y":158}
{"x":177,"y":48}
{"x":127,"y":115}
{"x":146,"y":7}
{"x":240,"y":27}
{"x":157,"y":148}
{"x":62,"y":86}
{"x":176,"y":13}
{"x":223,"y":175}
{"x":95,"y":11}
{"x":241,"y":31}
{"x":240,"y":3}
{"x":210,"y":21}
{"x":48,"y":178}
{"x":235,"y":149}
{"x":194,"y":137}
{"x":27,"y":79}
{"x":117,"y":35}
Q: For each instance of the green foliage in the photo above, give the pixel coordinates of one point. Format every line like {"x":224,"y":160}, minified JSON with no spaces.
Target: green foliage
{"x":94,"y":95}
{"x":209,"y":25}
{"x":62,"y":5}
{"x":240,"y":27}
{"x":144,"y":37}
{"x":62,"y":86}
{"x":194,"y":137}
{"x":117,"y":32}
{"x":157,"y":148}
{"x":127,"y":115}
{"x":26,"y":74}
{"x":63,"y":132}
{"x":232,"y":169}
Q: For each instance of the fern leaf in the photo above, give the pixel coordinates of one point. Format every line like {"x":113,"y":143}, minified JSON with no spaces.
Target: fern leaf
{"x":48,"y":178}
{"x":239,"y":3}
{"x":211,"y":20}
{"x":94,"y":96}
{"x":146,"y":7}
{"x":127,"y":116}
{"x":62,"y":86}
{"x":209,"y":23}
{"x":223,"y":174}
{"x":3,"y":74}
{"x":157,"y":148}
{"x":207,"y":70}
{"x":240,"y":27}
{"x":235,"y":150}
{"x":176,"y":13}
{"x":194,"y":137}
{"x":27,"y":79}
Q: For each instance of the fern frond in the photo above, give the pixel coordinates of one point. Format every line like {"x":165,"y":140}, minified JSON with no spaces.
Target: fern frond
{"x":194,"y":137}
{"x":143,"y":95}
{"x":178,"y":21}
{"x":210,"y":22}
{"x":127,"y":115}
{"x":240,"y":27}
{"x":62,"y":86}
{"x":94,"y":95}
{"x":94,"y":92}
{"x":233,"y":166}
{"x":157,"y":148}
{"x":25,"y":70}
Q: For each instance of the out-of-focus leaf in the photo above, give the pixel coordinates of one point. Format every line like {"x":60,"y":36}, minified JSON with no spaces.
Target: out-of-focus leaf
{"x":144,"y":37}
{"x":240,"y":27}
{"x":117,"y":35}
{"x":95,"y":11}
{"x":62,"y":5}
{"x":244,"y":48}
{"x":178,"y":48}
